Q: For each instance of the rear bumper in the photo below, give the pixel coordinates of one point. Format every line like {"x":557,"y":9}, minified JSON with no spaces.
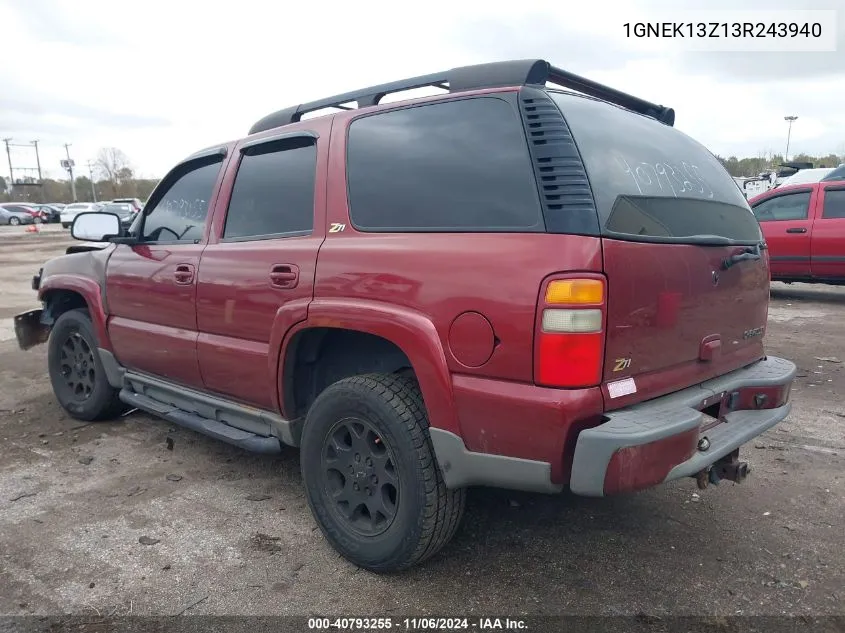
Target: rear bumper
{"x":658,"y":440}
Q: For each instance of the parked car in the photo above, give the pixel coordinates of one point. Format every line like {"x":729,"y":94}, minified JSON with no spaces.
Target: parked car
{"x":806,"y":176}
{"x":137,"y":205}
{"x":836,"y":174}
{"x":433,"y":294}
{"x":804,"y":227}
{"x":49,"y":212}
{"x":72,"y":210}
{"x":124,"y":210}
{"x":15,"y":214}
{"x":34,"y":210}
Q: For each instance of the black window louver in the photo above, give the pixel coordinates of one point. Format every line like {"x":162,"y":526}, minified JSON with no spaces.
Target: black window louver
{"x":568,"y":205}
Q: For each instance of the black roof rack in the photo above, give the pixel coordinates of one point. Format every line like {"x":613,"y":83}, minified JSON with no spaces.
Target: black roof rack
{"x":492,"y":75}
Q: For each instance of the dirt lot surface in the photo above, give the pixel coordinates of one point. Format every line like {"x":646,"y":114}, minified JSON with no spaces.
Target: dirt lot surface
{"x":113,"y":518}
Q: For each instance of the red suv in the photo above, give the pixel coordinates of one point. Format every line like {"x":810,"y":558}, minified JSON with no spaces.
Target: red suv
{"x":509,"y":284}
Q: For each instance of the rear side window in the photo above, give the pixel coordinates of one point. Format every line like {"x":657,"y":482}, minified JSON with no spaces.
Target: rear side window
{"x":273,"y":193}
{"x":455,"y":166}
{"x":790,"y":206}
{"x":834,"y":204}
{"x":650,"y":181}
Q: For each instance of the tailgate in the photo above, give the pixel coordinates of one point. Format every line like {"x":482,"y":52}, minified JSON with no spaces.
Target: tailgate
{"x":678,"y":315}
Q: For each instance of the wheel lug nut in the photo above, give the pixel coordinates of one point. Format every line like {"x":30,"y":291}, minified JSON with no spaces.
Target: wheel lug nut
{"x":355,"y":487}
{"x":369,"y":462}
{"x":351,"y":468}
{"x":357,"y":457}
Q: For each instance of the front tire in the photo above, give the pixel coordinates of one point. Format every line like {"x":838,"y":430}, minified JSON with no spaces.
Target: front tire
{"x":13,"y":221}
{"x":65,"y":225}
{"x":371,"y":477}
{"x":76,"y":371}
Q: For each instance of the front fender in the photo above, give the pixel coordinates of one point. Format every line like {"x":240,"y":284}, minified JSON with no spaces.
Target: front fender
{"x":90,"y":290}
{"x":410,"y":331}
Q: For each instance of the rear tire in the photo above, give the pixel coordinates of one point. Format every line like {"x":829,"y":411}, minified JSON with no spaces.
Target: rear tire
{"x":76,"y":371}
{"x":371,"y":477}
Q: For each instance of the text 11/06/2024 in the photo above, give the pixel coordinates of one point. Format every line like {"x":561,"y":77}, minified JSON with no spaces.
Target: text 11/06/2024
{"x":417,"y":624}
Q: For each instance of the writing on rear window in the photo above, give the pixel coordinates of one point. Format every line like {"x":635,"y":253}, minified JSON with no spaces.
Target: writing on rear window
{"x":663,"y":177}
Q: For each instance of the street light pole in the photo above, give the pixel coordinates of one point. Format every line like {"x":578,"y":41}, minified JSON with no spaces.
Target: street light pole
{"x":789,"y":119}
{"x":91,"y":174}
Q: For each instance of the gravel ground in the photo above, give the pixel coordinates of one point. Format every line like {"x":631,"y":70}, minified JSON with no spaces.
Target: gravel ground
{"x":138,"y":517}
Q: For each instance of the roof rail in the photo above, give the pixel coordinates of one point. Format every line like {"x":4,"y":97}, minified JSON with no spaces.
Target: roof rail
{"x":493,"y":75}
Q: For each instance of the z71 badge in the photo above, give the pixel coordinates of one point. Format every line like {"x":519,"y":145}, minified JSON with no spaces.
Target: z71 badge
{"x":621,"y":363}
{"x":757,"y":331}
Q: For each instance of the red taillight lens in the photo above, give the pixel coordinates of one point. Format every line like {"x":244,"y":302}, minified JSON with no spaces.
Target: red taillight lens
{"x":570,"y":340}
{"x":570,"y":360}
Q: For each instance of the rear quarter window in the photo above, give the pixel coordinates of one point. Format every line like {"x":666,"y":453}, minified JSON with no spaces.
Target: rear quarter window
{"x":451,"y":166}
{"x":651,"y":181}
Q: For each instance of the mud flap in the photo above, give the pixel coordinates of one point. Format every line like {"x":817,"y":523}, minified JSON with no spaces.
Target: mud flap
{"x":29,"y":329}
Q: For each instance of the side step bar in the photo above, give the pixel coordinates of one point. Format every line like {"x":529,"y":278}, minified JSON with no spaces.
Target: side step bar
{"x":218,"y":430}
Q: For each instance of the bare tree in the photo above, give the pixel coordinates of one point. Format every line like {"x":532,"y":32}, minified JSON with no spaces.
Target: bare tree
{"x":113,"y":165}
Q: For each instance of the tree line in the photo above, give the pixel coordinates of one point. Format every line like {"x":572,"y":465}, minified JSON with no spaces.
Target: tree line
{"x":114,"y":177}
{"x":755,"y":165}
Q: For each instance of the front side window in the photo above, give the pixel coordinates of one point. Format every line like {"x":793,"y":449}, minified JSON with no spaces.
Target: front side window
{"x":791,"y":206}
{"x":453,"y":166}
{"x":273,"y":193}
{"x":181,"y":213}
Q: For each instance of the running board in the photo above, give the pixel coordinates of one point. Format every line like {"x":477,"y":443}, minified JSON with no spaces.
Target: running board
{"x":218,"y":430}
{"x":208,"y":413}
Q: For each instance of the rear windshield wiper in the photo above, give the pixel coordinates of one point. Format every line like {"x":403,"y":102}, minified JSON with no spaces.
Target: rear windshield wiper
{"x":747,"y":253}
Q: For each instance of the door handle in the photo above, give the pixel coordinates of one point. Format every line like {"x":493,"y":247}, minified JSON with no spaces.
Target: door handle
{"x":184,"y":274}
{"x":801,"y":230}
{"x":284,"y":276}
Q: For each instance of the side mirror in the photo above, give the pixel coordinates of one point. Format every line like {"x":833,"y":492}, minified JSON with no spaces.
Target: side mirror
{"x":94,"y":226}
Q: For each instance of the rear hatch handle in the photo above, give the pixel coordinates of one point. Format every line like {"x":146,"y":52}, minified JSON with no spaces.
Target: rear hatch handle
{"x":747,"y":253}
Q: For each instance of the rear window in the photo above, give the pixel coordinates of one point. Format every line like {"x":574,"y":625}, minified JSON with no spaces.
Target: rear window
{"x":652,"y":182}
{"x":452,"y":166}
{"x":834,"y":204}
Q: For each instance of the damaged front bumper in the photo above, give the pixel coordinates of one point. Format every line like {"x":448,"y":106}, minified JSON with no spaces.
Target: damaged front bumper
{"x":30,"y":330}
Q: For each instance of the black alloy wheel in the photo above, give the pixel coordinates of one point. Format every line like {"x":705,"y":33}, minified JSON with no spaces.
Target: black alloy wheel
{"x":359,"y":475}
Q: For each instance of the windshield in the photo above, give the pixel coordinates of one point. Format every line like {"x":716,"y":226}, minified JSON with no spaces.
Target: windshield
{"x":652,"y":182}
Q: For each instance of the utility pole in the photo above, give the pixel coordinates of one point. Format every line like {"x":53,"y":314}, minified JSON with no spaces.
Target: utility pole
{"x":789,"y":119}
{"x":37,"y":160}
{"x":91,"y":174}
{"x":70,"y":171}
{"x":11,"y":173}
{"x":40,"y":178}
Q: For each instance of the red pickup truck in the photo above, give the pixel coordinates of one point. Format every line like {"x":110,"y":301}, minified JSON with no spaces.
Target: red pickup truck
{"x":804,"y":227}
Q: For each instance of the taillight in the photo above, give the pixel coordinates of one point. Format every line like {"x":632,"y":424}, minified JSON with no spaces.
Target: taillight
{"x":570,"y":340}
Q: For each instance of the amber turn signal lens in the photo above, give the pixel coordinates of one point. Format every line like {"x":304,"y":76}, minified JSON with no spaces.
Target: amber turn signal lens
{"x":575,"y":291}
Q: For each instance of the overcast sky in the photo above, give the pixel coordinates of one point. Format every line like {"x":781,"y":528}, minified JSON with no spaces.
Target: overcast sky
{"x":162,"y":78}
